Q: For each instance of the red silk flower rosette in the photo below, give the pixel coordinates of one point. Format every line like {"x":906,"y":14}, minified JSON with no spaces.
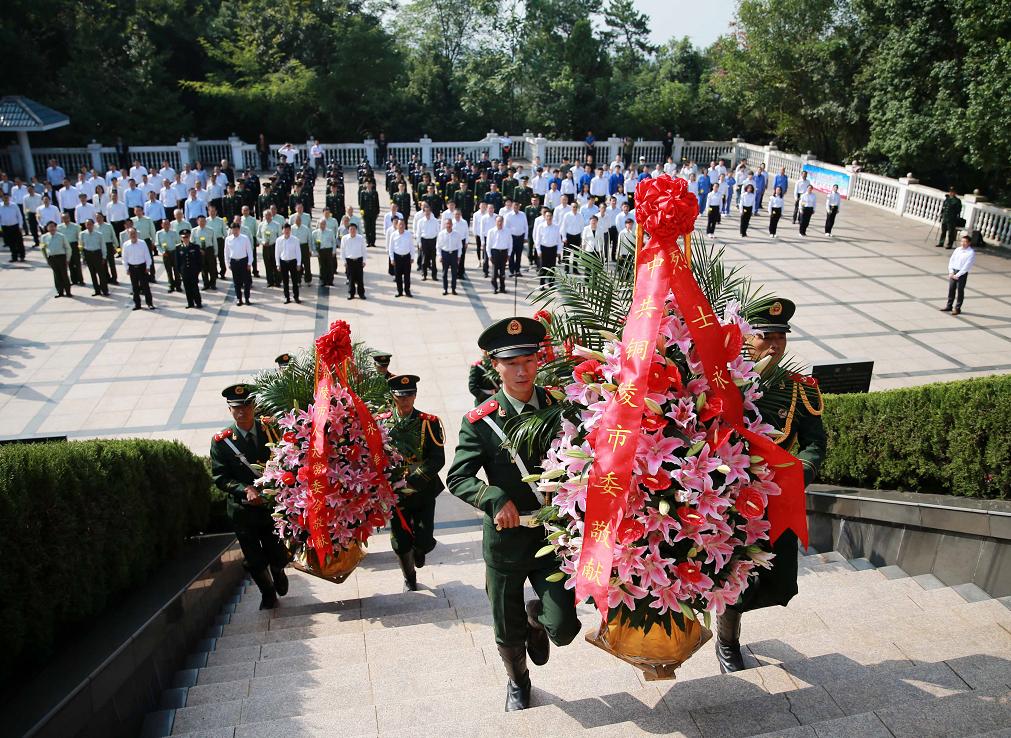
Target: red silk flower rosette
{"x":665,"y":207}
{"x":333,"y":348}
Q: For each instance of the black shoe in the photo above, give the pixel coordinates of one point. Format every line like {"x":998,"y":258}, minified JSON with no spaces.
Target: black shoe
{"x":268,"y":596}
{"x":298,"y":301}
{"x":238,"y":302}
{"x":409,"y":294}
{"x":96,"y":294}
{"x":419,"y":559}
{"x":946,"y":309}
{"x":496,"y":291}
{"x":287,"y":300}
{"x":538,"y":645}
{"x":400,"y":294}
{"x":446,"y":293}
{"x":948,"y":248}
{"x":151,"y":307}
{"x":728,"y":642}
{"x":454,"y":292}
{"x":939,"y":245}
{"x":105,"y":294}
{"x":137,"y":308}
{"x":351,"y":297}
{"x":280,"y":580}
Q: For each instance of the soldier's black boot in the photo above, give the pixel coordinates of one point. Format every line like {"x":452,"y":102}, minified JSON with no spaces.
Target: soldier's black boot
{"x":728,"y":642}
{"x":407,"y":567}
{"x":538,"y":644}
{"x":268,"y":597}
{"x":518,"y":687}
{"x":419,"y":558}
{"x":280,"y":580}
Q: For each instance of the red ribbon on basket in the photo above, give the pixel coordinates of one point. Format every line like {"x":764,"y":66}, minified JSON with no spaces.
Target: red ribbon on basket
{"x":667,"y":210}
{"x":318,"y":514}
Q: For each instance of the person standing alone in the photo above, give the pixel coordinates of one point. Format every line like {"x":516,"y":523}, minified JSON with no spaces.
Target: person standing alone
{"x":959,"y":264}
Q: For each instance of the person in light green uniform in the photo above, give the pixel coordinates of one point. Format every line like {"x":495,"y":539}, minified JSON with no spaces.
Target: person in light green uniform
{"x":93,"y":246}
{"x":324,"y":244}
{"x":220,"y":229}
{"x":420,"y":439}
{"x":166,"y":240}
{"x":56,"y":249}
{"x":267,"y":233}
{"x":234,"y":453}
{"x":72,"y":232}
{"x":145,"y":228}
{"x":300,"y":230}
{"x":794,"y":408}
{"x":511,"y":535}
{"x":111,"y":245}
{"x":249,"y":227}
{"x":207,"y":240}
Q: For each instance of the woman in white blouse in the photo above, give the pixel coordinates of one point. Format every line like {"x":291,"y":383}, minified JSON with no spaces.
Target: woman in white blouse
{"x":776,"y":204}
{"x":832,"y":209}
{"x":747,"y":207}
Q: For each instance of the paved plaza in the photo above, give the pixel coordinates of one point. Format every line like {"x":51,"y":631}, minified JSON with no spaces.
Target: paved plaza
{"x":90,"y":367}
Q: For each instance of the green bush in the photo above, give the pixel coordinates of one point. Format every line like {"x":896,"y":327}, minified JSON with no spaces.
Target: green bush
{"x":85,"y":521}
{"x":948,"y":438}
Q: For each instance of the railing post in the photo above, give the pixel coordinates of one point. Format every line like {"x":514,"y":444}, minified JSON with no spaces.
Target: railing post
{"x":19,"y":162}
{"x":768,"y":155}
{"x":903,"y":194}
{"x":494,"y":144}
{"x":238,"y":163}
{"x":973,"y":201}
{"x":95,"y":151}
{"x":679,"y":149}
{"x":736,"y":141}
{"x":426,"y":149}
{"x":370,"y":150}
{"x":184,"y":152}
{"x":537,"y":144}
{"x":613,"y":147}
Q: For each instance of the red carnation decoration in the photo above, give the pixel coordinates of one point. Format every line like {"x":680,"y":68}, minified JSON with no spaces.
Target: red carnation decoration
{"x":288,"y":478}
{"x":665,"y":207}
{"x":749,"y":503}
{"x":333,"y":348}
{"x":289,"y":437}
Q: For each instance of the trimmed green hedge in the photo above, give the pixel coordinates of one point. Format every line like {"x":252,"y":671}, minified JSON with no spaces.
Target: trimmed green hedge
{"x":85,"y":521}
{"x":948,"y":438}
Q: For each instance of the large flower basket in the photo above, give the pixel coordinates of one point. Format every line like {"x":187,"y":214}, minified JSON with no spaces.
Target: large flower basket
{"x":666,"y":487}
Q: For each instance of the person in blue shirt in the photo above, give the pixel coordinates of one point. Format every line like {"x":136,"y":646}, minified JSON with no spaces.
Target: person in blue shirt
{"x":731,"y":183}
{"x":591,"y":150}
{"x":781,"y":181}
{"x":55,"y":176}
{"x":704,"y":187}
{"x":761,"y":182}
{"x":615,"y":181}
{"x":584,"y":178}
{"x":556,"y":177}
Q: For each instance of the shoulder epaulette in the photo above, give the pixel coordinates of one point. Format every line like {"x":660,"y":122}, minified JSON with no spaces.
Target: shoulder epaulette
{"x":221,"y":435}
{"x":804,"y":379}
{"x":429,"y":417}
{"x":482,"y":410}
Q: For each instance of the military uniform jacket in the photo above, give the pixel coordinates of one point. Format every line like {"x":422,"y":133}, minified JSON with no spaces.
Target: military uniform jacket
{"x":369,"y":202}
{"x":951,"y":209}
{"x":479,"y":447}
{"x":799,"y":422}
{"x":420,"y":439}
{"x":335,"y":204}
{"x":232,"y":476}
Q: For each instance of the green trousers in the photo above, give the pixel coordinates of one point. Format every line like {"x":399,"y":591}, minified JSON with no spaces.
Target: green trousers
{"x":418,"y":510}
{"x":505,"y":593}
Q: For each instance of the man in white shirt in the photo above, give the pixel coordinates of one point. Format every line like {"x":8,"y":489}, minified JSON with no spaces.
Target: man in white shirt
{"x":49,"y":213}
{"x":480,"y":231}
{"x":137,"y":171}
{"x":571,"y":225}
{"x":516,"y":224}
{"x":598,"y":186}
{"x":84,"y":211}
{"x":30,"y":207}
{"x":498,"y":245}
{"x":547,"y":241}
{"x":799,"y":190}
{"x":166,"y":172}
{"x":67,"y":196}
{"x":116,"y":212}
{"x":461,"y":229}
{"x":239,"y":252}
{"x":354,"y":255}
{"x":138,"y":263}
{"x":961,"y":261}
{"x":448,"y":245}
{"x":316,"y":156}
{"x":289,"y":154}
{"x":426,"y":230}
{"x":288,"y":254}
{"x":402,"y":251}
{"x":12,"y":223}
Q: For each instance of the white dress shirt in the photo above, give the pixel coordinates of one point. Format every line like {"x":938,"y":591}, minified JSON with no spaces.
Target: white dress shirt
{"x":552,"y":199}
{"x":353,"y":247}
{"x":714,"y":199}
{"x":68,"y":197}
{"x":499,"y":239}
{"x":748,"y":200}
{"x":832,"y":200}
{"x":572,"y":224}
{"x":800,"y":186}
{"x":427,"y":228}
{"x":598,"y":186}
{"x":47,"y":214}
{"x":808,"y":200}
{"x":238,"y":247}
{"x":136,"y":253}
{"x":448,"y":241}
{"x":116,"y":211}
{"x":402,"y":244}
{"x":516,"y":223}
{"x":547,"y":236}
{"x":775,"y":202}
{"x":961,"y":260}
{"x":84,"y":213}
{"x":287,"y":249}
{"x":460,"y":229}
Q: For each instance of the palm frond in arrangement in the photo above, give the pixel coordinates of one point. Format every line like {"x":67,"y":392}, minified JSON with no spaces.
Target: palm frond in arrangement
{"x":280,"y":391}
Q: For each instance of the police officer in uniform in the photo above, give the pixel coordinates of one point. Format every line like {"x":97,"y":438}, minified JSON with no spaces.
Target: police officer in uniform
{"x":511,"y":537}
{"x":420,"y":439}
{"x":282,"y":361}
{"x":794,"y":408}
{"x":234,"y":451}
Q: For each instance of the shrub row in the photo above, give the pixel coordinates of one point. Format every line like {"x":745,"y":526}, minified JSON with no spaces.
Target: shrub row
{"x":84,"y":522}
{"x":949,"y":438}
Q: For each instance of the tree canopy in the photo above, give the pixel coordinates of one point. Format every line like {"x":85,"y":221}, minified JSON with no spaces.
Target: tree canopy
{"x":903,"y":85}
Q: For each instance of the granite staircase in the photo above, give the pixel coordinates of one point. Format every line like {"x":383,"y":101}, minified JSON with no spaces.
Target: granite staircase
{"x":861,"y":651}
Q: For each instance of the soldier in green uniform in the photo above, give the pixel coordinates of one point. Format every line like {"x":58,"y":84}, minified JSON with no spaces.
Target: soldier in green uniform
{"x":335,"y":199}
{"x":166,"y":241}
{"x":267,"y":233}
{"x":382,"y":361}
{"x":368,"y":203}
{"x":282,"y":361}
{"x":951,"y":218}
{"x":250,"y":227}
{"x":794,"y":409}
{"x":207,"y":240}
{"x":234,"y":452}
{"x":479,"y":380}
{"x":72,"y":232}
{"x":464,"y":199}
{"x":511,"y":535}
{"x":402,"y":198}
{"x":532,"y":211}
{"x":420,"y":439}
{"x":264,"y":200}
{"x":523,"y":194}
